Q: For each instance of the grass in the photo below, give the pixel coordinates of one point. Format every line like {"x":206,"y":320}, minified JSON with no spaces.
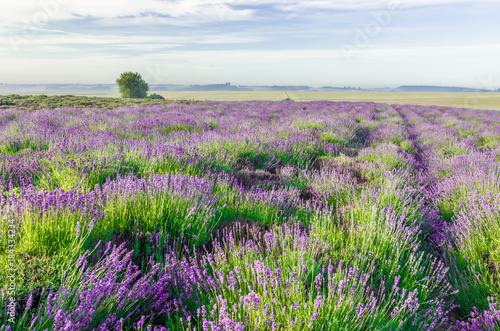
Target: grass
{"x":43,"y":101}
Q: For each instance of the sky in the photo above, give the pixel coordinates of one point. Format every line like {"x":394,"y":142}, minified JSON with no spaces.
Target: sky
{"x":377,"y":43}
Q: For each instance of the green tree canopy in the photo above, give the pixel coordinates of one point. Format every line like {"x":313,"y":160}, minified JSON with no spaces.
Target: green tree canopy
{"x":132,"y":85}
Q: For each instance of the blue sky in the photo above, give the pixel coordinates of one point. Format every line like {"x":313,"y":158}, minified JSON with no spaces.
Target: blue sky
{"x":285,"y":42}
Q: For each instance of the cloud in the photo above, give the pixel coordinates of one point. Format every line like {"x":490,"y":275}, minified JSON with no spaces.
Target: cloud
{"x":265,"y":66}
{"x":49,"y":40}
{"x":282,"y":36}
{"x":304,"y":5}
{"x":24,"y":17}
{"x":40,"y":11}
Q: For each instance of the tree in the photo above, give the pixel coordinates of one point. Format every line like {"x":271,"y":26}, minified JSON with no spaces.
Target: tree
{"x":132,"y":85}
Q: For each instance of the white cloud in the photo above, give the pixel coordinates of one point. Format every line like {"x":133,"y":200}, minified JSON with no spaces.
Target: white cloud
{"x":40,"y":11}
{"x":57,"y":41}
{"x":300,"y":5}
{"x":22,"y":11}
{"x":133,"y":34}
{"x":381,"y":65}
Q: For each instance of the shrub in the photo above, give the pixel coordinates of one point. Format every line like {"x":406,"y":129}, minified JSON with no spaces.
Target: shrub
{"x":155,"y":96}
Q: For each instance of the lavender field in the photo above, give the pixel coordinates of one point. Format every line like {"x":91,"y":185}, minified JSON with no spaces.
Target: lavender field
{"x":250,"y":216}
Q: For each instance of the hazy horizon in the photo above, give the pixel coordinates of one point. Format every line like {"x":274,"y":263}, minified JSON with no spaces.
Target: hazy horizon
{"x":353,"y":87}
{"x":372,"y":44}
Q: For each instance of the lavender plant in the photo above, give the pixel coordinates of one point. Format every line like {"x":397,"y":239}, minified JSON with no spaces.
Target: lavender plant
{"x":251,"y":215}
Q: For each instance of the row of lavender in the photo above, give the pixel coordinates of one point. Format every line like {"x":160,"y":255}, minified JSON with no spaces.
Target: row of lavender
{"x":328,"y":216}
{"x":460,"y":150}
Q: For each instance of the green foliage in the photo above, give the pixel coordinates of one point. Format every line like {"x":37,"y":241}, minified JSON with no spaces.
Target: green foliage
{"x":309,"y":125}
{"x":34,"y":102}
{"x":331,"y":138}
{"x":155,"y":96}
{"x":163,"y":210}
{"x":132,"y":85}
{"x":386,"y":154}
{"x":407,"y":146}
{"x":178,"y":127}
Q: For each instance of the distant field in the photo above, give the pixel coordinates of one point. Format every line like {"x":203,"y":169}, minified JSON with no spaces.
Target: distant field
{"x":455,"y":99}
{"x":468,"y":100}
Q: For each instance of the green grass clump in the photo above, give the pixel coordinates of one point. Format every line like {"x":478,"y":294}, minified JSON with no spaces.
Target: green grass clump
{"x":386,"y":154}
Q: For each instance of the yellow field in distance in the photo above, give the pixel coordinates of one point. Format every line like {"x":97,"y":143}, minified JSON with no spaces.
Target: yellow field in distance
{"x":455,"y":99}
